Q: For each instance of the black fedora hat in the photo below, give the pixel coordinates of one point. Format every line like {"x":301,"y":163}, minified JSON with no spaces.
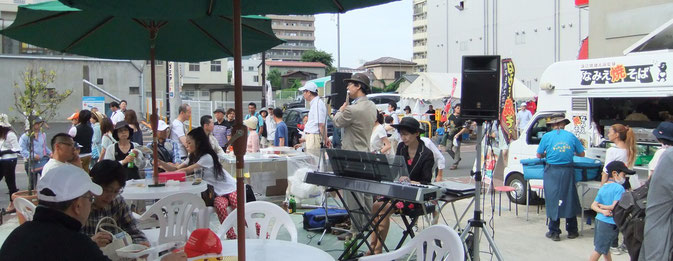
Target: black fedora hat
{"x":664,"y":131}
{"x":359,"y":78}
{"x":410,"y":124}
{"x":121,"y":125}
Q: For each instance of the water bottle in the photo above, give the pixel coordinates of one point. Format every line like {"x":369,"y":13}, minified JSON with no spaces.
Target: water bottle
{"x":131,"y":164}
{"x":149,"y":175}
{"x":293,"y":204}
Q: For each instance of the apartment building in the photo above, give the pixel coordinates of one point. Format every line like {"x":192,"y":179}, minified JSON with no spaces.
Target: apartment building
{"x":420,"y":35}
{"x":298,"y":31}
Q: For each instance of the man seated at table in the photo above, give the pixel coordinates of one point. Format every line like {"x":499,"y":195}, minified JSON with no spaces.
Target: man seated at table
{"x":65,"y":199}
{"x":110,"y":175}
{"x":65,"y":151}
{"x":167,"y":149}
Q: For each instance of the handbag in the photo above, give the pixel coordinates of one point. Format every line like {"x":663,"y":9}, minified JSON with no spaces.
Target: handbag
{"x":208,"y":196}
{"x":119,"y":237}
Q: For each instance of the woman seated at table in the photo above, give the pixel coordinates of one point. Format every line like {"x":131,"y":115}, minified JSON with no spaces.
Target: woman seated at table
{"x":419,"y":160}
{"x":202,"y":156}
{"x":111,"y":176}
{"x":125,"y":151}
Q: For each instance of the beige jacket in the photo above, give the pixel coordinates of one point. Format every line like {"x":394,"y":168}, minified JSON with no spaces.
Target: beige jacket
{"x":357,"y":124}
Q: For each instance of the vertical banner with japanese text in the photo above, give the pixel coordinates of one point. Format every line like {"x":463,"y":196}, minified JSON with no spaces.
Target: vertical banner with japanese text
{"x":507,"y":110}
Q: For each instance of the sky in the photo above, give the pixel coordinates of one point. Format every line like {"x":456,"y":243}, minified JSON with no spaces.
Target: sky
{"x":367,"y":34}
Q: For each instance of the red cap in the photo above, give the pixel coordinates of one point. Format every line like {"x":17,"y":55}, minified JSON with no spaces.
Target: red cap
{"x":203,"y":241}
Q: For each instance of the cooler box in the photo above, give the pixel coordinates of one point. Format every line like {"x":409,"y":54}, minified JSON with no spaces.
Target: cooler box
{"x":586,"y":168}
{"x":166,"y":176}
{"x":533,"y":168}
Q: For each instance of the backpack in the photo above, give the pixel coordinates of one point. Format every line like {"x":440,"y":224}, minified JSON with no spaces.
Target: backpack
{"x":629,"y":216}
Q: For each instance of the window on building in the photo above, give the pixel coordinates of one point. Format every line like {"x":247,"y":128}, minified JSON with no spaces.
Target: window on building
{"x":205,"y":94}
{"x":99,"y":81}
{"x":251,"y":68}
{"x":194,"y":67}
{"x":255,"y":78}
{"x":134,"y":90}
{"x":398,"y":74}
{"x":215,"y":66}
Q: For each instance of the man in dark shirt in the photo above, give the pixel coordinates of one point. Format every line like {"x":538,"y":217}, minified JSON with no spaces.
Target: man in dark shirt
{"x":457,"y":126}
{"x":65,"y":198}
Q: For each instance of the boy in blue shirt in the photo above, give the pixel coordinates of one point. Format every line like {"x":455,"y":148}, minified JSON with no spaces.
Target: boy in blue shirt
{"x":606,"y":231}
{"x":281,"y":138}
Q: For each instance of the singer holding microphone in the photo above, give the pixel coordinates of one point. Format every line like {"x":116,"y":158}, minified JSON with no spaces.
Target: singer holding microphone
{"x":315,"y":130}
{"x":357,"y":123}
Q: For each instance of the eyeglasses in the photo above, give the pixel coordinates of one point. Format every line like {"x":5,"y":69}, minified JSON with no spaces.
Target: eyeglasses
{"x":109,"y":191}
{"x":89,"y":197}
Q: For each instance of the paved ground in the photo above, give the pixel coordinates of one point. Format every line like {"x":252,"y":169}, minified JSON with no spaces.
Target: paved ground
{"x":516,"y":238}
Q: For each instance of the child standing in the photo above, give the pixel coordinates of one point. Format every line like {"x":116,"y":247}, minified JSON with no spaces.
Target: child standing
{"x":606,"y":231}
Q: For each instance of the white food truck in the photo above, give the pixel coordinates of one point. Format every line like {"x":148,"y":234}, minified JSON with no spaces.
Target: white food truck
{"x":634,"y":90}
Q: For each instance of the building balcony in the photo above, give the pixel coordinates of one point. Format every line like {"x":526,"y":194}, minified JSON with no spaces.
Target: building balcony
{"x":307,"y":18}
{"x":420,"y":49}
{"x":420,"y":22}
{"x":284,"y":57}
{"x":300,"y":38}
{"x":297,"y":48}
{"x":419,"y":36}
{"x":292,"y":27}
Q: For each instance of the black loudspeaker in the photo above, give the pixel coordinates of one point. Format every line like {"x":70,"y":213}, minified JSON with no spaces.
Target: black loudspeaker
{"x":338,"y":89}
{"x":480,"y":90}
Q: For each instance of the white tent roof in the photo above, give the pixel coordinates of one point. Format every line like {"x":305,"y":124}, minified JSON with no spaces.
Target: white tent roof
{"x":521,"y":91}
{"x":431,"y":86}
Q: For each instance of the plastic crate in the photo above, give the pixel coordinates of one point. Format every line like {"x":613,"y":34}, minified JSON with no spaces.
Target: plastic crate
{"x":586,"y":168}
{"x":533,"y":168}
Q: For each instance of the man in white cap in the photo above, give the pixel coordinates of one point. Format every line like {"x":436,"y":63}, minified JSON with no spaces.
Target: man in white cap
{"x":523,"y":117}
{"x":315,"y":131}
{"x":65,"y":199}
{"x":167,"y":149}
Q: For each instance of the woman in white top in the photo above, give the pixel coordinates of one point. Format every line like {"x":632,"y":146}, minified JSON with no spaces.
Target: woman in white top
{"x":624,"y":150}
{"x":9,"y":147}
{"x":202,"y":156}
{"x":106,"y":128}
{"x":378,"y":142}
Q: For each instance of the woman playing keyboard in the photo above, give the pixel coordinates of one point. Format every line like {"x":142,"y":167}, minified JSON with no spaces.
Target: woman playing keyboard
{"x":419,"y":161}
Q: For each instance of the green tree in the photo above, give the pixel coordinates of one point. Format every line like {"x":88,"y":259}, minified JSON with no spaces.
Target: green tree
{"x":319,"y":56}
{"x":274,"y":78}
{"x":35,"y":99}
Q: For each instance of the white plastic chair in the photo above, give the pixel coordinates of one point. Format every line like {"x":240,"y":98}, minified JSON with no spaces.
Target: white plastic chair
{"x":451,"y":248}
{"x":174,"y":214}
{"x":25,"y":207}
{"x":270,"y":218}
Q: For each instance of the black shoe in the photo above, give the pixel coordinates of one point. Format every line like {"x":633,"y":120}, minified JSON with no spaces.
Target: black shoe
{"x":553,"y":236}
{"x":572,"y":235}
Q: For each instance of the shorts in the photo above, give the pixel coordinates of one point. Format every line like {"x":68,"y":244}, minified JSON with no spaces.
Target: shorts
{"x":604,"y":234}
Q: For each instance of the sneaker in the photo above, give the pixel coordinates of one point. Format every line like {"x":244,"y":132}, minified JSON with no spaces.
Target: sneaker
{"x":615,"y":251}
{"x":622,"y":248}
{"x":553,"y":236}
{"x":572,"y":235}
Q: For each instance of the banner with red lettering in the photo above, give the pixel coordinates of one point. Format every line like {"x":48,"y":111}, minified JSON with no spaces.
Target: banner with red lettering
{"x":507,"y":108}
{"x":447,"y":108}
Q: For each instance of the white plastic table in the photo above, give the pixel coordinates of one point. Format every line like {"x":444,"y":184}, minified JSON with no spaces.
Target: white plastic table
{"x":584,"y":188}
{"x":274,"y":250}
{"x":134,"y":192}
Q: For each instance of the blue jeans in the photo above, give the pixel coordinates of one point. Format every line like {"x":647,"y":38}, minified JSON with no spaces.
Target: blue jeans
{"x":571,"y":225}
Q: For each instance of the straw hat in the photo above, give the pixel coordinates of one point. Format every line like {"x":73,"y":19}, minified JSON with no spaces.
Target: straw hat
{"x":251,"y":122}
{"x":558,"y":118}
{"x":99,"y":116}
{"x":4,"y":121}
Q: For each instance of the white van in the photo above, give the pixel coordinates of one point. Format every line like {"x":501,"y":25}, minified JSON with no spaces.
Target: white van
{"x":595,"y":94}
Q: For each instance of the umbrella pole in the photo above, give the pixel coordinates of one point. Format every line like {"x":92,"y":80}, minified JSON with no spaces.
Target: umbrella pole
{"x":240,"y":143}
{"x":153,"y":118}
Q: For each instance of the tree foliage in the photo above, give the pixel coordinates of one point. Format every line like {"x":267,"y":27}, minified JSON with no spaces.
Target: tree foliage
{"x":319,"y":56}
{"x":274,"y":78}
{"x":36,"y":99}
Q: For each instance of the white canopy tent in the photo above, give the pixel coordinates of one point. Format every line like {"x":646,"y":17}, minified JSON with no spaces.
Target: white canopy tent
{"x":428,"y":89}
{"x":433,"y":88}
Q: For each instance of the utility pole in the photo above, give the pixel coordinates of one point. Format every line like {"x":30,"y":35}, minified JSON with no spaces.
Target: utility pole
{"x":264,"y":79}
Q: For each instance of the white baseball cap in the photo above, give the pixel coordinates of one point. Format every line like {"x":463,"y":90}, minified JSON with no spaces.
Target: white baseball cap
{"x":309,"y":86}
{"x":162,"y":125}
{"x":65,"y":182}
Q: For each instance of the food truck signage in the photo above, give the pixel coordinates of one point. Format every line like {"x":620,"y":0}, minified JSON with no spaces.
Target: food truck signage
{"x":610,"y":73}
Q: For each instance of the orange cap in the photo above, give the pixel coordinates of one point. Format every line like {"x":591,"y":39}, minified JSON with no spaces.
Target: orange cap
{"x":74,"y":116}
